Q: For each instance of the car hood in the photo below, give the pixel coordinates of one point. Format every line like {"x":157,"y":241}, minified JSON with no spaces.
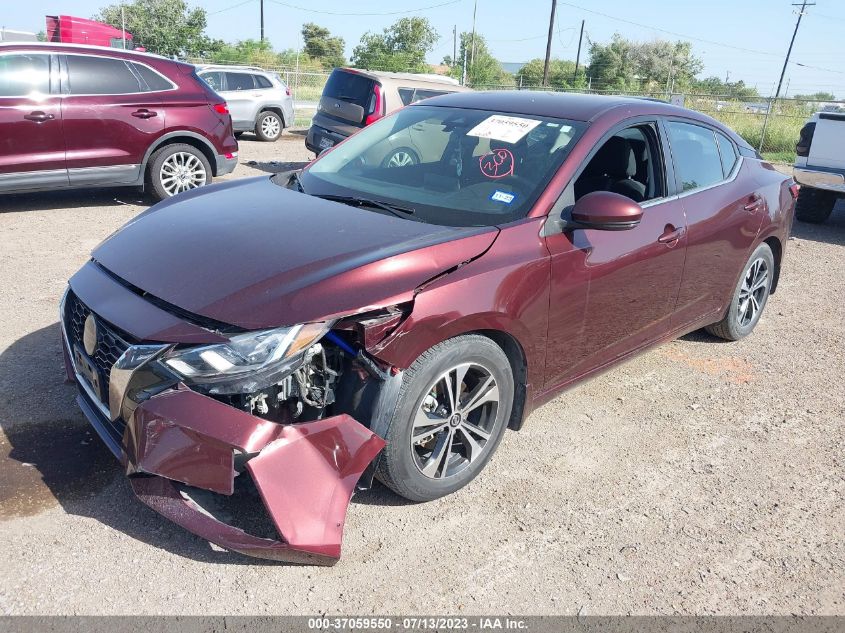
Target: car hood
{"x":253,"y":254}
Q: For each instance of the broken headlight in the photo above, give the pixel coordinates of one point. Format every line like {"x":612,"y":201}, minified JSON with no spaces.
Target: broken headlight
{"x":247,"y":362}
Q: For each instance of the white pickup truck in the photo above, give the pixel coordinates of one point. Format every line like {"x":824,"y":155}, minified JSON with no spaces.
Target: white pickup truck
{"x":820,"y":166}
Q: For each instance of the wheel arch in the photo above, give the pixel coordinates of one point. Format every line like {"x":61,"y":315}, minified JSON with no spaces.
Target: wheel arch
{"x":274,"y":109}
{"x":402,"y":351}
{"x":777,"y":251}
{"x":519,"y":367}
{"x":189,"y":138}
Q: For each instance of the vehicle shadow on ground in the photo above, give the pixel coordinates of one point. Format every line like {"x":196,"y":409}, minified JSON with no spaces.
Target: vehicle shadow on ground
{"x":72,"y":199}
{"x":275,"y":166}
{"x":830,"y":232}
{"x":51,"y":455}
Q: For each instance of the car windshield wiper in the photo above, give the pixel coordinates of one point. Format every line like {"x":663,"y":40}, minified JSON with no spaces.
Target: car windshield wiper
{"x":395,"y":209}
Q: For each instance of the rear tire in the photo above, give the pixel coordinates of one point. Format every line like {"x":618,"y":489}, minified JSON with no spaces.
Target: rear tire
{"x":452,"y":441}
{"x":814,"y":205}
{"x":749,"y":298}
{"x":169,"y":164}
{"x":269,"y":126}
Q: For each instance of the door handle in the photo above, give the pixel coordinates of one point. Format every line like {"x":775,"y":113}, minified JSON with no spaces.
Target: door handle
{"x":38,"y":116}
{"x":671,"y":235}
{"x":755,"y":204}
{"x":143,"y":113}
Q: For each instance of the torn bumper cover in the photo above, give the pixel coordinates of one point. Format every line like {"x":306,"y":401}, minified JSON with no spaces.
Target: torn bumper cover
{"x":305,"y":473}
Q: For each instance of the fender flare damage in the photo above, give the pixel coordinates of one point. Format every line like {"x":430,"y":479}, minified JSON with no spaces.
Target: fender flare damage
{"x":305,"y":473}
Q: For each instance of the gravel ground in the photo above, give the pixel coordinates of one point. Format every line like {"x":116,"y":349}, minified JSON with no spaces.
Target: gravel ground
{"x":702,"y":477}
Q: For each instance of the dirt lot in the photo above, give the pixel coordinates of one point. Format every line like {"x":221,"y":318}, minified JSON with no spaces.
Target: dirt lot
{"x":702,"y":477}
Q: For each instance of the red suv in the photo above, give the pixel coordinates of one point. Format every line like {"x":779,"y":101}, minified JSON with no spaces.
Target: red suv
{"x":84,"y":116}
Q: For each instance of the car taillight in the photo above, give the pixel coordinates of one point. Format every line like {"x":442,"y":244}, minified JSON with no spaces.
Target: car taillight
{"x":377,"y":110}
{"x":287,"y":91}
{"x":794,"y":188}
{"x":221,"y":108}
{"x":802,"y":148}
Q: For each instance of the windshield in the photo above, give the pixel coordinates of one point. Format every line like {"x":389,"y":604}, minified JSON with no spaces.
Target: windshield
{"x":451,"y":166}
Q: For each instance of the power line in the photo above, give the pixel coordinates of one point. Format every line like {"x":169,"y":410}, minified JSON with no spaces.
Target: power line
{"x":234,"y":6}
{"x":299,"y":8}
{"x":675,"y":33}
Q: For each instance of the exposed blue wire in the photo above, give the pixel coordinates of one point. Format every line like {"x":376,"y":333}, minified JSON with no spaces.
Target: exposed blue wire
{"x":342,"y":344}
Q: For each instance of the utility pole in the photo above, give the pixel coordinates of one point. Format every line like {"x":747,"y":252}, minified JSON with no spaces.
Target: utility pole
{"x":472,"y":52}
{"x":454,"y":45}
{"x":549,"y":43}
{"x":123,"y":25}
{"x":578,"y":56}
{"x":262,"y":20}
{"x":804,"y":4}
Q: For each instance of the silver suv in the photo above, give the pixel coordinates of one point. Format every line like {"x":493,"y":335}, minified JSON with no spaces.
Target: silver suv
{"x":258,"y":100}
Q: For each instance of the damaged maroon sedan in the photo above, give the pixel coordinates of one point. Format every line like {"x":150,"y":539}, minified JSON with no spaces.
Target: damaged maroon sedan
{"x":281,"y":339}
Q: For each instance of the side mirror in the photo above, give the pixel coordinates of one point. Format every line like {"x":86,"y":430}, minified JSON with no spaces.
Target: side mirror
{"x":606,"y":211}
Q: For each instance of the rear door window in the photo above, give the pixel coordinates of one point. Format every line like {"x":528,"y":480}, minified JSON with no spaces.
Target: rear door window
{"x":728,"y":153}
{"x":88,"y":75}
{"x":696,"y":155}
{"x":239,"y":81}
{"x":23,"y":75}
{"x":262,"y":82}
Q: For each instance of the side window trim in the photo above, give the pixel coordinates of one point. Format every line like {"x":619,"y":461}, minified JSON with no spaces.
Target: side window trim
{"x":732,"y":176}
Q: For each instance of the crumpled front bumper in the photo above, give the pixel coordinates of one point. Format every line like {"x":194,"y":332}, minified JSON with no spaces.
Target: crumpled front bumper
{"x":305,"y":474}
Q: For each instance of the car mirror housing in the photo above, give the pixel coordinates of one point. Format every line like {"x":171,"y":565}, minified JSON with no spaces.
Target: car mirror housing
{"x":606,"y":211}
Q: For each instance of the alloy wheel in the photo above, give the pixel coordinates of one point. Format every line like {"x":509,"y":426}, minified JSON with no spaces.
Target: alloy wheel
{"x":453,"y":425}
{"x":180,"y":172}
{"x":752,"y":293}
{"x":400,"y":158}
{"x":271,"y":127}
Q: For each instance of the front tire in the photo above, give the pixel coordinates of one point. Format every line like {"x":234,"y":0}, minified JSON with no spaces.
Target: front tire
{"x":453,"y":407}
{"x":177,"y":168}
{"x":814,"y":205}
{"x":749,"y":298}
{"x":269,"y":126}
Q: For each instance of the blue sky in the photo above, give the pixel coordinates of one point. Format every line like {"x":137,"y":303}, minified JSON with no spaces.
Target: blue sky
{"x":747,"y":38}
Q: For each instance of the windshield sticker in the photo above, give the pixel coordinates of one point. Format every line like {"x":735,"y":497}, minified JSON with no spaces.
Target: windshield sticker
{"x":503,"y":196}
{"x":498,"y":127}
{"x":497,"y":164}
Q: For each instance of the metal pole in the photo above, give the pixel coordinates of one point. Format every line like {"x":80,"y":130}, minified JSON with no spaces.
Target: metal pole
{"x":549,"y":44}
{"x":783,"y":71}
{"x":123,"y":26}
{"x":472,"y":53}
{"x":578,"y":56}
{"x":454,"y":45}
{"x":262,"y":20}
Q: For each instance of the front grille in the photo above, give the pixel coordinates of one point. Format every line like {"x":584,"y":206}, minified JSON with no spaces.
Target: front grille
{"x":110,"y":343}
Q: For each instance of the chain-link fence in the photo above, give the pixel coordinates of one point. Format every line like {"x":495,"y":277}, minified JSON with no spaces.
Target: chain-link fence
{"x":782,"y":119}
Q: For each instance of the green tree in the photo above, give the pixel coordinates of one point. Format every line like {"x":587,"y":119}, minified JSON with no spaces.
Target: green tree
{"x":655,"y":66}
{"x":816,"y":97}
{"x":561,"y":74}
{"x":482,"y":69}
{"x":166,"y":27}
{"x":714,"y":86}
{"x":400,"y":47}
{"x":321,"y":46}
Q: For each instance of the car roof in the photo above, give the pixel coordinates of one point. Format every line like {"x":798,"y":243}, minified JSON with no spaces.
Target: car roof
{"x":569,"y":105}
{"x":82,"y":48}
{"x":402,"y":79}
